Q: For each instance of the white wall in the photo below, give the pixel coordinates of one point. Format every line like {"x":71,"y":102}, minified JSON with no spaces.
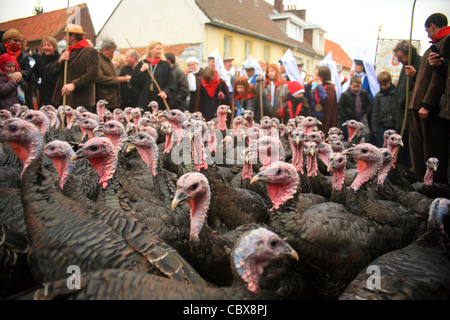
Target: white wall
{"x":143,"y":21}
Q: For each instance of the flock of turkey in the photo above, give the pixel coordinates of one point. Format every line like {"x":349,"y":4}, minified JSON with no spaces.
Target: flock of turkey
{"x":163,"y":205}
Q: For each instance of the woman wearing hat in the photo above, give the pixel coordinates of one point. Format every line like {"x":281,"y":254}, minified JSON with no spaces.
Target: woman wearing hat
{"x":194,"y":75}
{"x":12,"y":44}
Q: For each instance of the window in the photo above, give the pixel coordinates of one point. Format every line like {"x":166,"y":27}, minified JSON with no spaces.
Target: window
{"x":248,"y":48}
{"x":295,"y":31}
{"x":227,"y":45}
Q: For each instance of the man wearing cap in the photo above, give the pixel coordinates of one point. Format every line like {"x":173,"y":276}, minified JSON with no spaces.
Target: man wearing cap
{"x":194,"y":75}
{"x":82,"y":71}
{"x":12,"y":43}
{"x":229,"y":74}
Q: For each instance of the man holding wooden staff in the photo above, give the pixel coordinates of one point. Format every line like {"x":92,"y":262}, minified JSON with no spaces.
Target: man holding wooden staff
{"x":82,"y":71}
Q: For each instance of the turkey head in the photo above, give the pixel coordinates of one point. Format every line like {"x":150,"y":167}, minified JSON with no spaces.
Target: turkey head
{"x":193,"y":187}
{"x":282,"y":182}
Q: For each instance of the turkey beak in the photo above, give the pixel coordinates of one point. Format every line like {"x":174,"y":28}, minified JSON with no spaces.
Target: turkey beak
{"x":348,"y":151}
{"x":400,"y":143}
{"x":288,"y":251}
{"x":77,"y":155}
{"x":330,"y":166}
{"x":179,"y":197}
{"x":297,"y":140}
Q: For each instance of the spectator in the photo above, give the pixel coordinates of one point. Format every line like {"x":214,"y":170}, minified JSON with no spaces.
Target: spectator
{"x":274,"y":91}
{"x":354,"y":104}
{"x":119,"y":62}
{"x":107,"y":86}
{"x":12,"y":43}
{"x":43,"y":71}
{"x":244,"y":97}
{"x":211,"y":93}
{"x":194,"y":75}
{"x":429,"y":133}
{"x":11,"y":89}
{"x":155,"y":64}
{"x":128,"y":94}
{"x":322,"y":98}
{"x":384,"y":106}
{"x":82,"y":71}
{"x":401,"y":51}
{"x":178,"y":100}
{"x":229,"y":72}
{"x":296,"y":103}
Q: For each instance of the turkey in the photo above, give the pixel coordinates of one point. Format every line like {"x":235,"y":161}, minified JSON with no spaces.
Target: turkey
{"x":254,"y":251}
{"x":334,"y":243}
{"x":89,"y":236}
{"x":419,"y":271}
{"x":429,"y":187}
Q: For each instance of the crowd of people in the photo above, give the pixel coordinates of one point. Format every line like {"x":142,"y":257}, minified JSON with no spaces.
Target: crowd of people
{"x":274,"y":90}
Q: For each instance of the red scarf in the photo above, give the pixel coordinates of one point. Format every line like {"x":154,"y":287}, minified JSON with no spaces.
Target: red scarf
{"x":241,"y":97}
{"x":153,"y":62}
{"x":79,"y":45}
{"x":211,"y":86}
{"x":441,"y":33}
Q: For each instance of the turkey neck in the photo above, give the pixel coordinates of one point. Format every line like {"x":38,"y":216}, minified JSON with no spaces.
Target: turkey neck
{"x":311,"y":165}
{"x":281,"y":194}
{"x":338,"y":178}
{"x":199,"y":213}
{"x":428,"y":178}
{"x":366,"y":171}
{"x":150,"y":156}
{"x":297,"y":156}
{"x":64,"y":168}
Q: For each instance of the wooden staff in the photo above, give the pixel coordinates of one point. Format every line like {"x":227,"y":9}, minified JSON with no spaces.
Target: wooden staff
{"x":67,"y":48}
{"x":153,"y":78}
{"x":405,"y":116}
{"x":261,"y":98}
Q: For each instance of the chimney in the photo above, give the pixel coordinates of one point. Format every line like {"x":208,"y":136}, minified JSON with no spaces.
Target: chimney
{"x":300,"y":13}
{"x":278,"y":5}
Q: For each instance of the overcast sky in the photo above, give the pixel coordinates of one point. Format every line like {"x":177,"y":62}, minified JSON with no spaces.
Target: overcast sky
{"x":353,"y":24}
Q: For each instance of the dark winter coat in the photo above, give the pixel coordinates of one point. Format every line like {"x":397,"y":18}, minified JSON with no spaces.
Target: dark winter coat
{"x":82,"y":71}
{"x":384,"y":110}
{"x":43,"y":71}
{"x":346,"y":106}
{"x":8,"y":91}
{"x":178,"y":101}
{"x":128,"y":94}
{"x":142,"y":80}
{"x":24,"y":63}
{"x":107,"y":86}
{"x":207,"y":105}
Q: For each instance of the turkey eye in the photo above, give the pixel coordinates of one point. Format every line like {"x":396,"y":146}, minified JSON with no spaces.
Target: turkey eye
{"x":12,"y":128}
{"x":273,"y":243}
{"x":364,"y":150}
{"x":194,"y":186}
{"x":93,"y":148}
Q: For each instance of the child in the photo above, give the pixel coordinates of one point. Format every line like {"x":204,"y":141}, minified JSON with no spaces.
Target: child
{"x":296,"y":104}
{"x":354,"y":104}
{"x":244,"y":97}
{"x":274,"y":91}
{"x":211,"y":93}
{"x":321,"y":95}
{"x":11,"y":92}
{"x":383,"y":111}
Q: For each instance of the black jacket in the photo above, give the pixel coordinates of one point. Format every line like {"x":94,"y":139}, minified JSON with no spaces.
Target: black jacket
{"x":346,"y":106}
{"x":42,"y":70}
{"x":142,"y":80}
{"x":129,"y":95}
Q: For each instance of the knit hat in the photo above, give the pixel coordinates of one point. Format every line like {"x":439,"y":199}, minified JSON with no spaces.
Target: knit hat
{"x":12,"y":34}
{"x":6,"y":58}
{"x":295,"y":88}
{"x":192,"y":59}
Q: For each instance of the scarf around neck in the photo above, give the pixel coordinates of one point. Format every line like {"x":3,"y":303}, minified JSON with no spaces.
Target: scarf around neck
{"x":211,"y":86}
{"x":358,"y":104}
{"x":440,"y":34}
{"x":153,"y":62}
{"x":79,"y":45}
